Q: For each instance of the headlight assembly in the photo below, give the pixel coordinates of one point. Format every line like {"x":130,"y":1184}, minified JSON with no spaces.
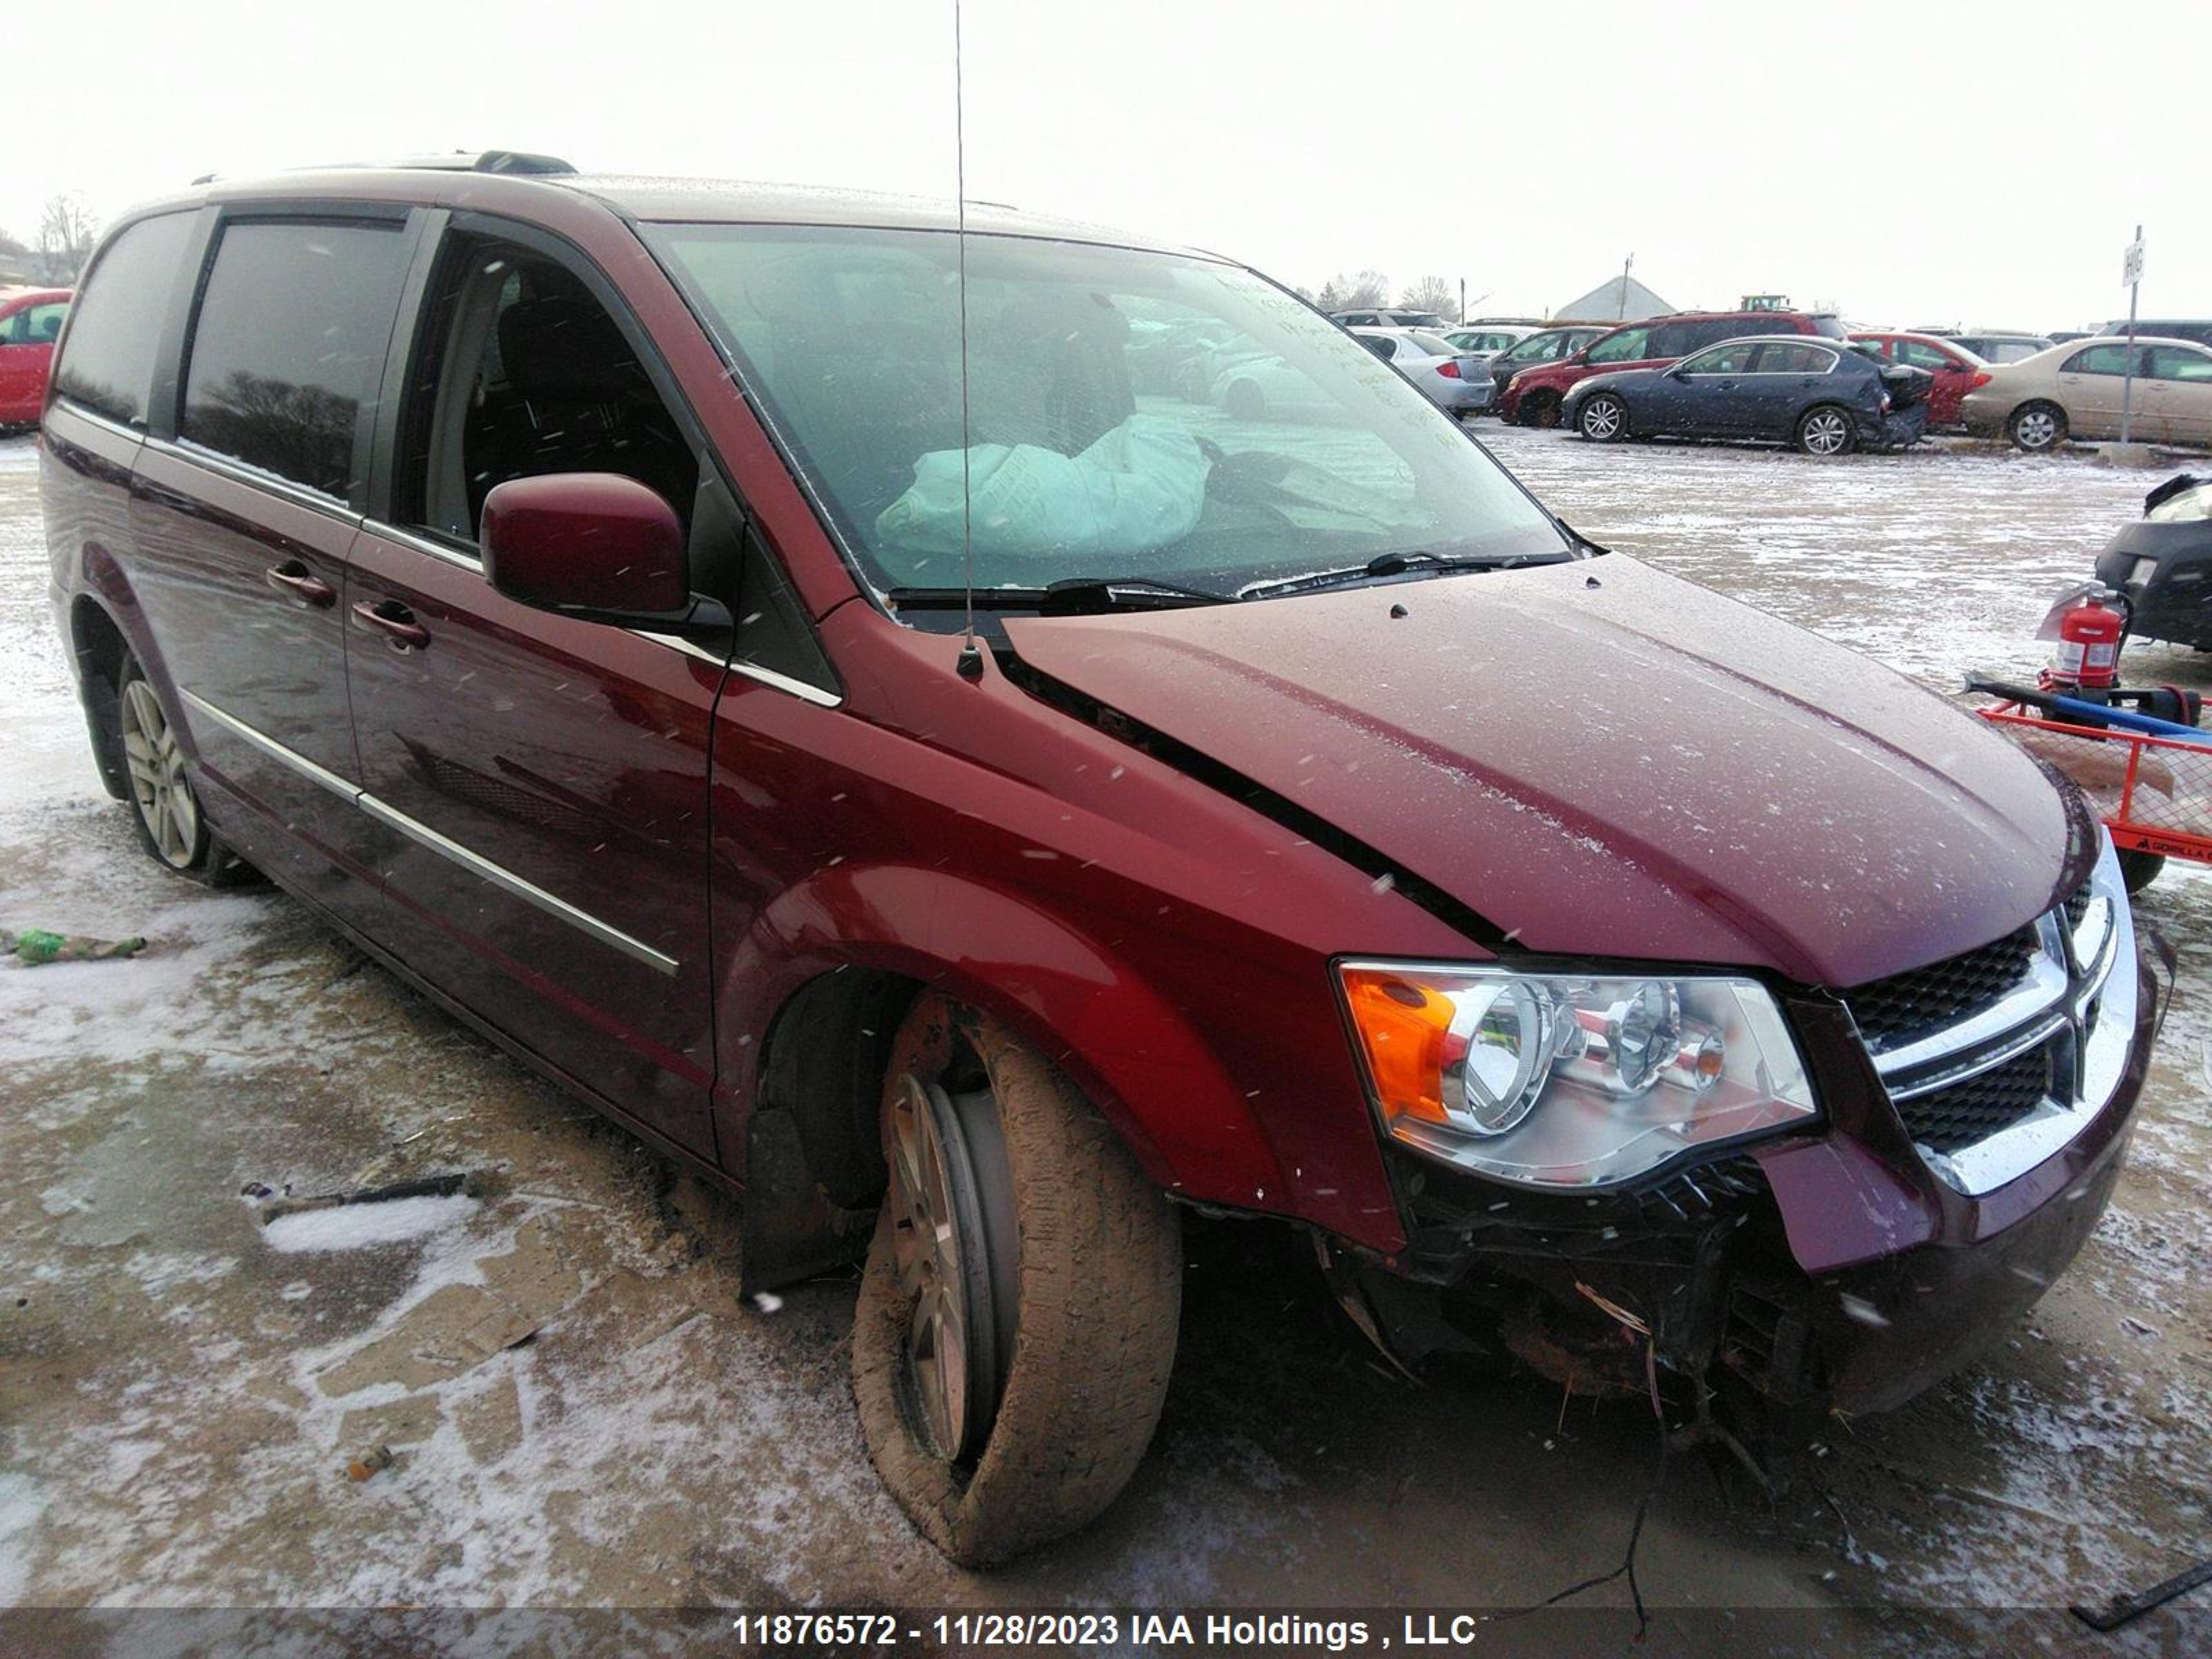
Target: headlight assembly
{"x":1570,"y":1080}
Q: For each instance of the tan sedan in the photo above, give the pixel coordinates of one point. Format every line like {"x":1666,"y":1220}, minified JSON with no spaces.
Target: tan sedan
{"x":2074,"y":390}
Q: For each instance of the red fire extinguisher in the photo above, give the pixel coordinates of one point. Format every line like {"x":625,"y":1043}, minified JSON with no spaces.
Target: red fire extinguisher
{"x":2088,"y":660}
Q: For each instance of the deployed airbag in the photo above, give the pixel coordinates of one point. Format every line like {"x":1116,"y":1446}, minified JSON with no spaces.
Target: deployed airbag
{"x":1140,"y":486}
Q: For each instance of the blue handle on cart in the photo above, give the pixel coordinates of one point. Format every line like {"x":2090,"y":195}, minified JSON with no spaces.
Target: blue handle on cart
{"x":2128,"y":719}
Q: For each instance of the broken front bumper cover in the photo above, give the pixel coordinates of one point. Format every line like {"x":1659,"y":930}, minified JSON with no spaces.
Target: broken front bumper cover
{"x":1831,"y":1270}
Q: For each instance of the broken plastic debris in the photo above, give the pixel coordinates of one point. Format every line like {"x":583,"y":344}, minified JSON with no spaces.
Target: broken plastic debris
{"x":368,"y":1462}
{"x":34,"y":947}
{"x":1863,"y":1311}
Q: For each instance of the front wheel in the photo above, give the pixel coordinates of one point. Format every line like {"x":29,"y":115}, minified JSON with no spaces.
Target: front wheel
{"x":1018,"y":1314}
{"x":1244,"y":401}
{"x":1540,"y":410}
{"x":1602,"y":419}
{"x":1825,"y":431}
{"x":2036,"y":427}
{"x":2139,"y":869}
{"x":164,"y":808}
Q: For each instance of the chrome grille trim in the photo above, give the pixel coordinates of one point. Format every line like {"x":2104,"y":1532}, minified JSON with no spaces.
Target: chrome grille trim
{"x":2079,"y":999}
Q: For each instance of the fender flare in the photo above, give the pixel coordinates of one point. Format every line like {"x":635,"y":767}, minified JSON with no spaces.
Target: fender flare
{"x":1043,"y":978}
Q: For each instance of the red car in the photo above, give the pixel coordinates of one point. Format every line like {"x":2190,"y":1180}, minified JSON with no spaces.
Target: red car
{"x":518,"y":569}
{"x":1536,"y":396}
{"x":1957,"y":370}
{"x":30,"y":323}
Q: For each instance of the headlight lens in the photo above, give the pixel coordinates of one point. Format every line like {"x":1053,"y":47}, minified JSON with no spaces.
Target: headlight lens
{"x":1570,"y":1080}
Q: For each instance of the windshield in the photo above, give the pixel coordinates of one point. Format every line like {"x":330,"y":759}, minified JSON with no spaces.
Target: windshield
{"x":1132,"y":414}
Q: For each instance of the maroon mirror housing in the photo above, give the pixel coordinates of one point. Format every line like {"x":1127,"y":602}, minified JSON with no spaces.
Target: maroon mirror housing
{"x":593,"y":543}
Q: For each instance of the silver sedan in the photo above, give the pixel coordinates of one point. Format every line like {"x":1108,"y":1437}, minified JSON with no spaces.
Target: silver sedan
{"x":1456,"y":380}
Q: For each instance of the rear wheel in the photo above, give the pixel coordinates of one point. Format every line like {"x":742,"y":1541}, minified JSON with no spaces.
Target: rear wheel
{"x":1825,"y":431}
{"x":1017,"y":1319}
{"x":2139,"y":869}
{"x":164,"y":806}
{"x":1602,"y":419}
{"x":2037,"y":427}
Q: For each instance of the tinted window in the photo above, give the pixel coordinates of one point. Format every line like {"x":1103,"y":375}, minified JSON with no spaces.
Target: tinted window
{"x":2172,"y":363}
{"x":1732,"y":359}
{"x":1626,"y":347}
{"x":1789,"y":357}
{"x":1829,"y":328}
{"x":1380,"y":344}
{"x":2097,"y":360}
{"x":289,"y":349}
{"x":120,"y":314}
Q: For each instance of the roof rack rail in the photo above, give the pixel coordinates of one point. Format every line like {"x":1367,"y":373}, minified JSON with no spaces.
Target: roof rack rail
{"x":489,"y":161}
{"x":518,"y":161}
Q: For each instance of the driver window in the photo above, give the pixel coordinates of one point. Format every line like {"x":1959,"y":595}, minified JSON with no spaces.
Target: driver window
{"x":1723,"y":360}
{"x":528,"y":374}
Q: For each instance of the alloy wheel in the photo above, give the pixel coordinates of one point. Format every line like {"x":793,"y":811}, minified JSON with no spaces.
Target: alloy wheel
{"x":1827,"y":432}
{"x":158,"y":786}
{"x":1601,"y":419}
{"x":2036,"y":428}
{"x":941,"y":1248}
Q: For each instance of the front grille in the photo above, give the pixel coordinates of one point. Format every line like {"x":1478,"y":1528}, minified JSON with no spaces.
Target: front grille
{"x":1950,"y":1119}
{"x":1906,"y":1007}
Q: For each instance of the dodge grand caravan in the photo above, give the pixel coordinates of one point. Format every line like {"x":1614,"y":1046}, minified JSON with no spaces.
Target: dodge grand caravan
{"x":523,"y":570}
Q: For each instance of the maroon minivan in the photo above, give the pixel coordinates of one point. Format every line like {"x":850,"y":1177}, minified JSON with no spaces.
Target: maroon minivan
{"x":562,"y":583}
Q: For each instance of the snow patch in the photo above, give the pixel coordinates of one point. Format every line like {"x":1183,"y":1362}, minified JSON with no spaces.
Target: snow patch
{"x":356,"y":1226}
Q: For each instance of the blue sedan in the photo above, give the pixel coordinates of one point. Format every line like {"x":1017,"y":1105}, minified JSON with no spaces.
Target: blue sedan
{"x":1822,"y":396}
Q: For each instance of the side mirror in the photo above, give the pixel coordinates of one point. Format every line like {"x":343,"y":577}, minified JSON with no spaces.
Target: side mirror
{"x":593,"y":545}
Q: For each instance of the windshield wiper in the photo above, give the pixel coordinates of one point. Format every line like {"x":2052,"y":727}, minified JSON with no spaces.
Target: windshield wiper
{"x":1382,"y":565}
{"x":1073,"y":596}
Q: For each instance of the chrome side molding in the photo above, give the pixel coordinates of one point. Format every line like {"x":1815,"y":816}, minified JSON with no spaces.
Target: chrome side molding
{"x":444,"y":846}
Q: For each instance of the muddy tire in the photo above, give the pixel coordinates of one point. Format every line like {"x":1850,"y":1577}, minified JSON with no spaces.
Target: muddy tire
{"x":164,"y":808}
{"x":1540,"y":410}
{"x":2037,"y":428}
{"x":2138,"y":869}
{"x":1602,"y":418}
{"x":1824,"y":432}
{"x":1091,"y":1265}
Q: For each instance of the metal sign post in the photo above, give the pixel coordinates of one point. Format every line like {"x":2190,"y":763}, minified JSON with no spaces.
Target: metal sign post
{"x":2131,"y":275}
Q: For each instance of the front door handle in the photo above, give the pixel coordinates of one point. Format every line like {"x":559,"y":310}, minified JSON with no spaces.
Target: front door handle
{"x":394,"y":621}
{"x":293,"y":578}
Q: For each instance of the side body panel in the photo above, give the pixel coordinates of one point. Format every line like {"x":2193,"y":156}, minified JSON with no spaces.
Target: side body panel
{"x":539,"y":789}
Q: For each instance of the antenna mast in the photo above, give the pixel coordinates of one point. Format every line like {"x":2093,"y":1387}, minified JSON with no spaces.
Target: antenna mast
{"x":971,"y":662}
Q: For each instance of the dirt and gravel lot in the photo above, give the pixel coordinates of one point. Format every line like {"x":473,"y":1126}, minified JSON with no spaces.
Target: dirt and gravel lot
{"x":585,"y":1415}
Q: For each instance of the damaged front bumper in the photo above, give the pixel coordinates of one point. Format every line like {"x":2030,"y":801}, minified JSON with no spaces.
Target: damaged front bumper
{"x":1843,"y":1270}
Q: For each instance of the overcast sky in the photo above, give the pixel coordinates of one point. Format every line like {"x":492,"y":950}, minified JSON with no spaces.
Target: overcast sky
{"x":1921,"y":163}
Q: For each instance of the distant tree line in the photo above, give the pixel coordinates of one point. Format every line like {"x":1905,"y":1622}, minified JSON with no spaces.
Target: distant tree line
{"x":1371,"y":289}
{"x":67,"y":231}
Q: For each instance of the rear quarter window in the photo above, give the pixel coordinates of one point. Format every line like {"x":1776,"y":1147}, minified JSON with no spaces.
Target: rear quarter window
{"x":121,"y":309}
{"x":288,"y":353}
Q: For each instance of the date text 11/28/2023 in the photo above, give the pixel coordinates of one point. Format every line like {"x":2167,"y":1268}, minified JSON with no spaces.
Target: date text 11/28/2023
{"x":1333,"y":1633}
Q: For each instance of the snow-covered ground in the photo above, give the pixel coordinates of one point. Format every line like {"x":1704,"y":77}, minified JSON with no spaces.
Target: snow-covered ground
{"x":583,"y":1414}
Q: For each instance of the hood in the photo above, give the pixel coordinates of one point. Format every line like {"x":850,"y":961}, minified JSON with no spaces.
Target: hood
{"x":1600,"y":759}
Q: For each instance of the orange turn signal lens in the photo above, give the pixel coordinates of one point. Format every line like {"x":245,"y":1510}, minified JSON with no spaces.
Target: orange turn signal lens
{"x":1402,"y":1029}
